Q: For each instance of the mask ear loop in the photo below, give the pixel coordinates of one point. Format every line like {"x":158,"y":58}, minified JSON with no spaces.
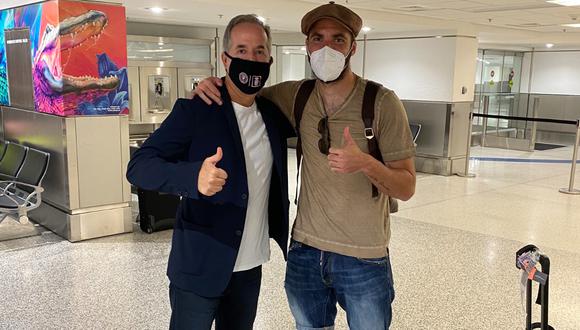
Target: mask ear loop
{"x":347,"y":56}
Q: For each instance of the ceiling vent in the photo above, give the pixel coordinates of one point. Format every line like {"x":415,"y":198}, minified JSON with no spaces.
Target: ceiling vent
{"x":507,"y":8}
{"x":529,"y":25}
{"x":414,"y":8}
{"x":526,"y":25}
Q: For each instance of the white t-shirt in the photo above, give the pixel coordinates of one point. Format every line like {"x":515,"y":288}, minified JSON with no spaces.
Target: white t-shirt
{"x":255,"y":246}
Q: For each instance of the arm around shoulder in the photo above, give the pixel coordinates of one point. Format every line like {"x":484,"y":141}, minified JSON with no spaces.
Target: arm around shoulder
{"x":283,"y":95}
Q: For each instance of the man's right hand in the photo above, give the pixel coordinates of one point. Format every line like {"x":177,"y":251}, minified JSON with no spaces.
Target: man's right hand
{"x":211,"y":178}
{"x":208,"y":91}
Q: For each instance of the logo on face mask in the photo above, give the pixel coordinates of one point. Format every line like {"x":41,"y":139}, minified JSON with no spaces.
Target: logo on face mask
{"x":252,"y":81}
{"x":253,"y":76}
{"x":243,"y":78}
{"x":256,"y":81}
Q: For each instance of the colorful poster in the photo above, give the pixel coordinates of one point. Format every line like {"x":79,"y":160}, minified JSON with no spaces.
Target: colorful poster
{"x":94,"y":58}
{"x":41,"y":20}
{"x":6,"y":22}
{"x":38,"y":18}
{"x":79,"y":57}
{"x":45,"y":49}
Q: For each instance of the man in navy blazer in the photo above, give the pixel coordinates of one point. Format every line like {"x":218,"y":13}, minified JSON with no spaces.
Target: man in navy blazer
{"x":229,"y":165}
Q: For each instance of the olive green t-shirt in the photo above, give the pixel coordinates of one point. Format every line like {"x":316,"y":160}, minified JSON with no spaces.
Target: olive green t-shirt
{"x":336,"y":212}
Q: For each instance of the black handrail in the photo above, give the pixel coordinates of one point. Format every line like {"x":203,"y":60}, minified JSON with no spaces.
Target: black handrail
{"x":542,"y":120}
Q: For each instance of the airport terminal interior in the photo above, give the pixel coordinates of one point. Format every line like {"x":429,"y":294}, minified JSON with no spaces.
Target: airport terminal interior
{"x":492,"y":94}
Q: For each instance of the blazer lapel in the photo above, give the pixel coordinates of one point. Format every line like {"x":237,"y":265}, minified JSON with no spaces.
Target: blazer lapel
{"x":228,"y":111}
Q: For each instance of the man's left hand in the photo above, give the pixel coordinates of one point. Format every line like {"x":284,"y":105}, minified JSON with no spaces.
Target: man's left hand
{"x":349,"y":158}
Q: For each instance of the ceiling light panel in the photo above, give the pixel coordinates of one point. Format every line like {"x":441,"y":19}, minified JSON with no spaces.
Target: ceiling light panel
{"x":567,"y":3}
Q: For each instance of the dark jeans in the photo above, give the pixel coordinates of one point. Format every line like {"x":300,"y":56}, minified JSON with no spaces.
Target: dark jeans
{"x":234,"y":310}
{"x":316,"y":280}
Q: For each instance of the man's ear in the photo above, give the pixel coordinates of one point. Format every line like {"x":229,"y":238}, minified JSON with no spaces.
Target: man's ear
{"x":354,"y":46}
{"x":226,"y":62}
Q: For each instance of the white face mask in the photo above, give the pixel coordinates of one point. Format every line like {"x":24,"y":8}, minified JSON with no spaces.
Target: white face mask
{"x":327,"y":63}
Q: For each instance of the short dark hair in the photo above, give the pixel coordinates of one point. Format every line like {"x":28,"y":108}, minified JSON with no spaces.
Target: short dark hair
{"x":246,"y":18}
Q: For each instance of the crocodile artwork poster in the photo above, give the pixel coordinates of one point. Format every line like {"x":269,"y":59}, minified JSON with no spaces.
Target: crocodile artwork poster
{"x":79,"y":58}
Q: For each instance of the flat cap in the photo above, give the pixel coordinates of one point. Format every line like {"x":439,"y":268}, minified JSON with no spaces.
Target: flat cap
{"x":334,"y":11}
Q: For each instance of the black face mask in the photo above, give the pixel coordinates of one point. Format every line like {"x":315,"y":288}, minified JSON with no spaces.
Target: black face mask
{"x":248,"y":76}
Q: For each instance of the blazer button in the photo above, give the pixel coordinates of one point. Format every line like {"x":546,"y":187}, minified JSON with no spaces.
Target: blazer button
{"x":244,"y":196}
{"x":238,"y":233}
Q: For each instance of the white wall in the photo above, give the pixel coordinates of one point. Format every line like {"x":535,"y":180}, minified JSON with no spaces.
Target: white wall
{"x":294,"y":66}
{"x":427,"y":69}
{"x":556,"y":73}
{"x":288,"y":38}
{"x":465,"y":68}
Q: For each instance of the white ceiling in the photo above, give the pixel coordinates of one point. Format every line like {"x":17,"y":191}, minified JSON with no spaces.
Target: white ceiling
{"x":14,"y":3}
{"x":528,"y":23}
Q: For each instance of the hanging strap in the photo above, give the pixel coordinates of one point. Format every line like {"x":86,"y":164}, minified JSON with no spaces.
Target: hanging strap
{"x":368,"y":116}
{"x":300,"y":102}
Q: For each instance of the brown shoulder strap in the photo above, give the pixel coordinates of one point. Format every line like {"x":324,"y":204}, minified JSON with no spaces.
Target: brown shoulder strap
{"x":301,"y":99}
{"x":368,"y":116}
{"x":299,"y":103}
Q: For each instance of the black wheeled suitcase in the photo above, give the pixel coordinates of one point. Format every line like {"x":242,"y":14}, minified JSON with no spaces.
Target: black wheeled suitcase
{"x":156,"y":210}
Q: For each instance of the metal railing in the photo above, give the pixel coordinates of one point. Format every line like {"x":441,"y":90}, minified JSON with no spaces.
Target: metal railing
{"x":485,"y":111}
{"x":570,"y":189}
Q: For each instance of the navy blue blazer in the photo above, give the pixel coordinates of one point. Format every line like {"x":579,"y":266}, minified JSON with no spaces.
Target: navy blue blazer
{"x":208,"y":230}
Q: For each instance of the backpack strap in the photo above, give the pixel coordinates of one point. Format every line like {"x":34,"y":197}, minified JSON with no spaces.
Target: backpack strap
{"x":300,"y":101}
{"x":368,"y":116}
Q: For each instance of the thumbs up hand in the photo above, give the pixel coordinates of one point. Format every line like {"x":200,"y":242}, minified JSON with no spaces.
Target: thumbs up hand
{"x":211,"y":178}
{"x":349,"y":158}
{"x":347,"y":138}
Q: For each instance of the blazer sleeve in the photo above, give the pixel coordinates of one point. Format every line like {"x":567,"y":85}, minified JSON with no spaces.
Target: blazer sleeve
{"x":286,"y":127}
{"x":161,"y":164}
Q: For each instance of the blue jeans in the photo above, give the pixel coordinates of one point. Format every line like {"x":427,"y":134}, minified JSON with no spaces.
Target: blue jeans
{"x":316,"y":280}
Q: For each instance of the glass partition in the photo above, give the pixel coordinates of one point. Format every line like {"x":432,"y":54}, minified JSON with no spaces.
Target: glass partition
{"x":498,"y":77}
{"x":174,"y":50}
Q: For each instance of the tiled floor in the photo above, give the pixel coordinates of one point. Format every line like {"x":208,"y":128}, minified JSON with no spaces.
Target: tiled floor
{"x":453,"y":251}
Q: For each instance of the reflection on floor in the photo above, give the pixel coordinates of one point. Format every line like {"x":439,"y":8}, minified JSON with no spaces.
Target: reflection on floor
{"x":453,"y":252}
{"x":11,"y":229}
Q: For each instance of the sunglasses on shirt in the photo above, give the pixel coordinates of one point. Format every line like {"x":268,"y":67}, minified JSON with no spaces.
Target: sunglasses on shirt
{"x":324,"y":142}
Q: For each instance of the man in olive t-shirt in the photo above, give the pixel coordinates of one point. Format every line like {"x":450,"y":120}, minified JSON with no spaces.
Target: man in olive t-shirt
{"x":339,"y":251}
